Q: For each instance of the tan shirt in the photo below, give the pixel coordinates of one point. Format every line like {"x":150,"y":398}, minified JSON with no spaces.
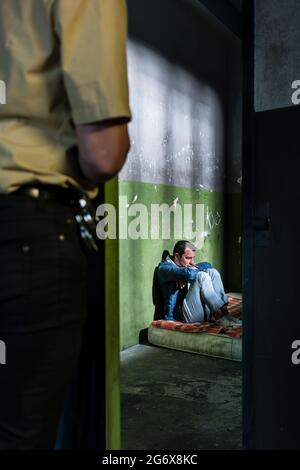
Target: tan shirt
{"x":63,"y":62}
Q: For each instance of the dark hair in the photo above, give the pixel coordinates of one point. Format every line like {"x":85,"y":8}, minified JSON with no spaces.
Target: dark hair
{"x":182,"y":245}
{"x":179,"y":248}
{"x":165,"y":254}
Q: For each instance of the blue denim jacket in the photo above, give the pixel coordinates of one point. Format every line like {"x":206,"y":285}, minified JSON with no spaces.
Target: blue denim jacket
{"x":168,"y":274}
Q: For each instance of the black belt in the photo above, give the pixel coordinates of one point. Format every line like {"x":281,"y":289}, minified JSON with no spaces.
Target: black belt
{"x":85,"y":213}
{"x":68,"y":196}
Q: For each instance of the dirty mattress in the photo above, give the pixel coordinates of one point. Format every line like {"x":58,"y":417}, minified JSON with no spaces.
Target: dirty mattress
{"x":210,"y":339}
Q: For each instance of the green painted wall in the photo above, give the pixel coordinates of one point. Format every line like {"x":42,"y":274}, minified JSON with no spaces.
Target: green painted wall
{"x":112,"y":332}
{"x":233,"y":242}
{"x":138,"y":258}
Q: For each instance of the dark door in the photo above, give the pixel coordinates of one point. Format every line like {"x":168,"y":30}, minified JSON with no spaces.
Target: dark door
{"x":271,"y":233}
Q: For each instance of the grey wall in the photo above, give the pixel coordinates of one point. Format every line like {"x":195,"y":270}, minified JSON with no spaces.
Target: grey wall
{"x":178,"y":131}
{"x":277,"y":56}
{"x":234,"y":116}
{"x":185,"y":82}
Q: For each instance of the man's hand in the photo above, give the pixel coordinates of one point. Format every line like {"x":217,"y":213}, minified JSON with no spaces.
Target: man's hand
{"x":193,"y":266}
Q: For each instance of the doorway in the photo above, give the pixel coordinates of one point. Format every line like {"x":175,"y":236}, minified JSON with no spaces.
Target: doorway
{"x":185,"y":70}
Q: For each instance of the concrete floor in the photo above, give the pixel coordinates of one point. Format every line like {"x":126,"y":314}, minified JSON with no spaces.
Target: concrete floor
{"x":176,"y":400}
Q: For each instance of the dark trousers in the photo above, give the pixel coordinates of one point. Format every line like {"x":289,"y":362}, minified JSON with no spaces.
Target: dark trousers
{"x":43,"y":278}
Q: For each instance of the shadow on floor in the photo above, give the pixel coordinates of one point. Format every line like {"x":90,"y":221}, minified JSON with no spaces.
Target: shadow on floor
{"x":176,"y":400}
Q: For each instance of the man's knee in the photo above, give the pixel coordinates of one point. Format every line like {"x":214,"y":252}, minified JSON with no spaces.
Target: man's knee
{"x":213,"y":272}
{"x":201,"y":276}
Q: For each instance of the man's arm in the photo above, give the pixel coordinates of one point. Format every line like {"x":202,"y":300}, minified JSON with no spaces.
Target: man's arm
{"x":96,"y":83}
{"x":103,"y":148}
{"x":168,"y":272}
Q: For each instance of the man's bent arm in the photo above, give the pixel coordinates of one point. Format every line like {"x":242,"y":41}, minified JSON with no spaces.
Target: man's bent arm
{"x":103,"y":147}
{"x":168,"y":272}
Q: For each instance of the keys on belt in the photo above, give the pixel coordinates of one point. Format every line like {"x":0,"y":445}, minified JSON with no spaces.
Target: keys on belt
{"x":86,"y":220}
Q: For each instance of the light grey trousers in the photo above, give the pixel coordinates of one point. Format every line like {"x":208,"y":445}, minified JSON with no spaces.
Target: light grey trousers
{"x":204,"y":297}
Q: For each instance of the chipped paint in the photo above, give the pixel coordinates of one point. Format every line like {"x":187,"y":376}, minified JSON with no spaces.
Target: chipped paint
{"x":213,"y":219}
{"x":174,"y":205}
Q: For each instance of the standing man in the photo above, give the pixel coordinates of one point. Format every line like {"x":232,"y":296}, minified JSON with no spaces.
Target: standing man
{"x":63,"y":131}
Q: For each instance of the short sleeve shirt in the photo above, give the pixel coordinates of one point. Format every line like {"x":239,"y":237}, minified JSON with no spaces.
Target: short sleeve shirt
{"x":62,"y":62}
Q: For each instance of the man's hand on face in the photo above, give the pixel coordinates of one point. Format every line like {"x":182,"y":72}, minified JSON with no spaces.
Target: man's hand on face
{"x":193,"y":266}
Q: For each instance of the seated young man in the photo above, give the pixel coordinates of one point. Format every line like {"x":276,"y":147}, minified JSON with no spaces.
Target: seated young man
{"x":191,"y":292}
